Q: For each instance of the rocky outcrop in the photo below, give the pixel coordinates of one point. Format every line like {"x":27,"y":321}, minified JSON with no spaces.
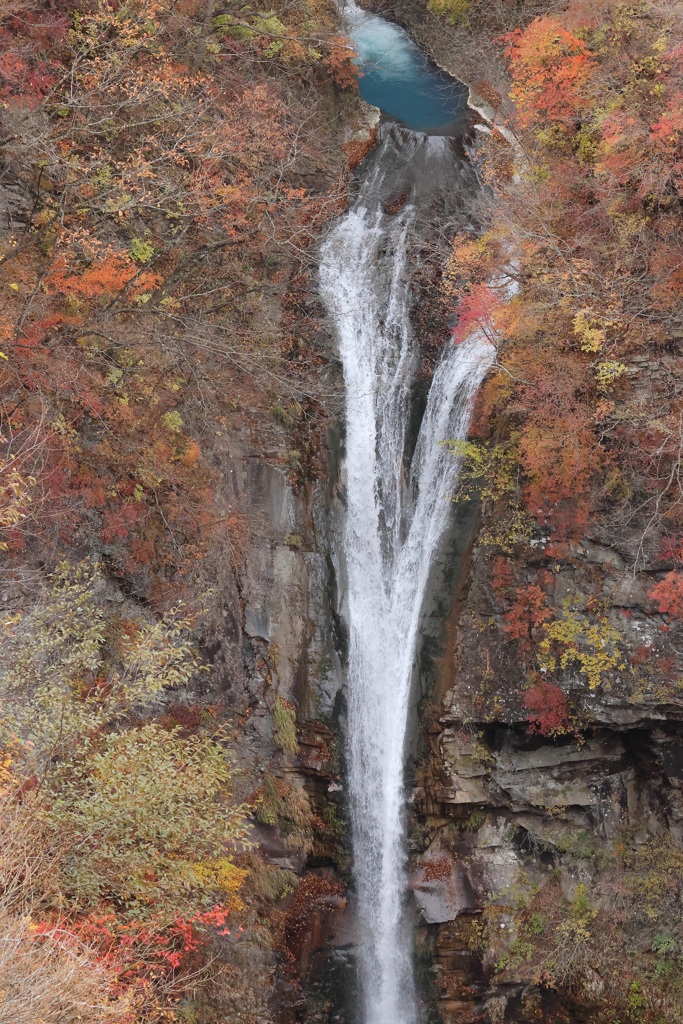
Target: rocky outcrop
{"x":514,"y":829}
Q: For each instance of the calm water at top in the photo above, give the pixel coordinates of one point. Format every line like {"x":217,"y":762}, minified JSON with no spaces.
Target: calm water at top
{"x":399,"y":79}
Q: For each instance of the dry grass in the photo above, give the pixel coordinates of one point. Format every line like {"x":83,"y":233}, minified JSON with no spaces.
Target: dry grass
{"x":46,"y":976}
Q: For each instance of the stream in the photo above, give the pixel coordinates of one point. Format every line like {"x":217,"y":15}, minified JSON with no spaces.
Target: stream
{"x":398,"y":478}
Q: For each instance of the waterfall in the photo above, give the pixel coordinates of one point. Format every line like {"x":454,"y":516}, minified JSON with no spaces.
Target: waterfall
{"x":397,"y":511}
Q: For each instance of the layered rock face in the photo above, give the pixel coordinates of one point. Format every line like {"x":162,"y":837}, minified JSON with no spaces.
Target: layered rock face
{"x":275,"y":653}
{"x":548,"y":838}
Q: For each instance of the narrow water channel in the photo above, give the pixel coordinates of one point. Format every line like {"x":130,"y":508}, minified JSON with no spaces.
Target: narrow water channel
{"x":397,"y":486}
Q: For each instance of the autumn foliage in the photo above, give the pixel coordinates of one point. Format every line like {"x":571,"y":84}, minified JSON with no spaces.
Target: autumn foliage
{"x":528,"y":611}
{"x":668,"y":595}
{"x":144,"y":151}
{"x":577,"y":278}
{"x":548,"y":709}
{"x":552,"y":70}
{"x":165,"y":169}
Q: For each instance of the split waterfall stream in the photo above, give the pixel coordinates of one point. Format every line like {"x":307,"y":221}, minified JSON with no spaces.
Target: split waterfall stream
{"x":398,"y":477}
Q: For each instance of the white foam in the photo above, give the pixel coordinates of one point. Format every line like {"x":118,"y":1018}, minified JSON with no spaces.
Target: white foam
{"x":395,"y":520}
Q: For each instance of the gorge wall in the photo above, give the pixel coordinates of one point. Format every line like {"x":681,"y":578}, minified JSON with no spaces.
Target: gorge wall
{"x":547,"y":825}
{"x":546,"y":812}
{"x":545,"y":835}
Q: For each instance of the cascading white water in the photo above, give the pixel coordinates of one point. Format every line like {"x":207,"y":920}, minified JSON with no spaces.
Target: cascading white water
{"x":396,"y":516}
